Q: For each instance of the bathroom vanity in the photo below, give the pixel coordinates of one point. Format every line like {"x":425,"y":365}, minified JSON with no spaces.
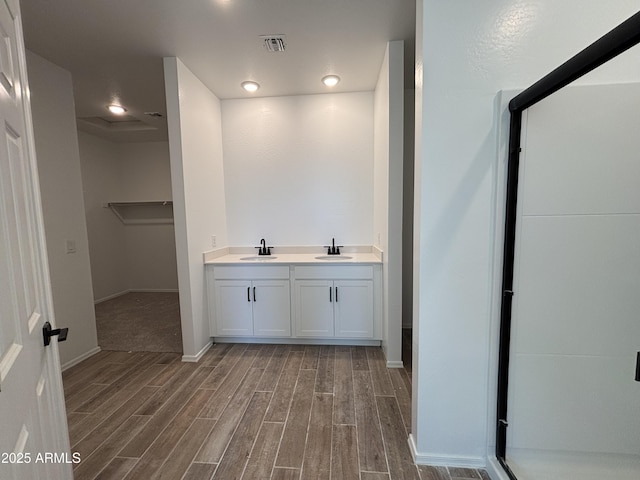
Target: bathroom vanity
{"x":295,"y":296}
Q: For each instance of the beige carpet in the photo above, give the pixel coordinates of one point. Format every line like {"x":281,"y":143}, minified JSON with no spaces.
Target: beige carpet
{"x":140,"y":322}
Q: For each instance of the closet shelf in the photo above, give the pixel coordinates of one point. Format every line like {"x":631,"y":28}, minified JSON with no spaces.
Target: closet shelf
{"x":141,"y":213}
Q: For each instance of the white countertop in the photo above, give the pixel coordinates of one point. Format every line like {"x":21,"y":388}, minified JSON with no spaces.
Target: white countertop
{"x":293,"y":255}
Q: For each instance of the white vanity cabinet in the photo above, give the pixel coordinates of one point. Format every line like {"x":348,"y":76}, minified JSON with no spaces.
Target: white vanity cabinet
{"x":297,"y":301}
{"x":334,"y":302}
{"x":250,"y":301}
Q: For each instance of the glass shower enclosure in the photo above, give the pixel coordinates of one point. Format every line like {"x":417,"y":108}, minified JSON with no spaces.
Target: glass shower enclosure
{"x":569,"y":381}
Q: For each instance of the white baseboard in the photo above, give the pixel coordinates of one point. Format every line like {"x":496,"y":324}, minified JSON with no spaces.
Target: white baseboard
{"x":444,"y":460}
{"x":79,"y":359}
{"x":395,"y":364}
{"x":297,"y":341}
{"x":196,"y":358}
{"x":154,"y":290}
{"x":136,"y":290}
{"x":109,"y":297}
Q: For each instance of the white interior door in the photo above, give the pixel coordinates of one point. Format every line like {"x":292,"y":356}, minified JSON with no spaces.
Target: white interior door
{"x":34,"y":439}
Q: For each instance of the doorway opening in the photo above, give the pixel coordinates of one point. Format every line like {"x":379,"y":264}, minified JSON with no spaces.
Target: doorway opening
{"x":129,"y":212}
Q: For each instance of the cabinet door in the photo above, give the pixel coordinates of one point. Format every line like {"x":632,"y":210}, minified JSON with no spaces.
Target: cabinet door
{"x":271,"y":308}
{"x":314,"y":308}
{"x":354,"y":308}
{"x":233,"y":308}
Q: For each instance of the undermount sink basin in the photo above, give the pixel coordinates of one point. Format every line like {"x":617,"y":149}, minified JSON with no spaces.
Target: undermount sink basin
{"x":333,"y":257}
{"x":258,"y":258}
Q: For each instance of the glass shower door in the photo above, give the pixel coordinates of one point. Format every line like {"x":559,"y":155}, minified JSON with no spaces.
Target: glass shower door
{"x":574,"y":400}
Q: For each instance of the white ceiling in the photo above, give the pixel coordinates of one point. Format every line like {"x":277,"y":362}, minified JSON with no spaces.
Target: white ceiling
{"x":114,"y":48}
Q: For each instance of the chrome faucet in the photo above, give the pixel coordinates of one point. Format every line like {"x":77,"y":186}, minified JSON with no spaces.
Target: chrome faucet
{"x":332,"y":249}
{"x":263,"y":249}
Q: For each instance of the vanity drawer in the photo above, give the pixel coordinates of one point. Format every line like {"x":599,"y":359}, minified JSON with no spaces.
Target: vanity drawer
{"x":334,"y":272}
{"x":253,"y":272}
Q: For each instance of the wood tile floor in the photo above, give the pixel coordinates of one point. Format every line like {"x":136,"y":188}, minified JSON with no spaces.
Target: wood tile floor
{"x":244,"y":411}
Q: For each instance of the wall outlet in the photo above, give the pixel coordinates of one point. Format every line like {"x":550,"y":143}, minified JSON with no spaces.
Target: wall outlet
{"x":214,"y":242}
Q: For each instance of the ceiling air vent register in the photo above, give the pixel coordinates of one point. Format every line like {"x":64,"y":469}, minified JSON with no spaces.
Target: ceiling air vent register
{"x":273,"y":43}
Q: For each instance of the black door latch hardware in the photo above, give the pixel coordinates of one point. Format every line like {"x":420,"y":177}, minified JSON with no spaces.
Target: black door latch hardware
{"x":48,"y":332}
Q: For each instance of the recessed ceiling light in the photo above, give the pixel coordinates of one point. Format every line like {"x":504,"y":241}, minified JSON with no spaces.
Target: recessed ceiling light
{"x":331,"y":80}
{"x":117,"y":109}
{"x":250,"y":86}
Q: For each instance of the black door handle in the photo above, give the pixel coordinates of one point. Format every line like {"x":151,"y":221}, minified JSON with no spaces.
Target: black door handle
{"x":48,"y":332}
{"x":330,"y":294}
{"x":336,"y":294}
{"x":638,"y":368}
{"x":248,"y":294}
{"x":254,"y":294}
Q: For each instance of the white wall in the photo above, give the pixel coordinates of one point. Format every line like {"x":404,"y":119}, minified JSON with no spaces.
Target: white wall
{"x":466,"y":53}
{"x":63,"y":205}
{"x":388,"y":162}
{"x":127,"y":257}
{"x":298,"y":169}
{"x":150,"y":249}
{"x":102,"y":182}
{"x":146,"y":171}
{"x":197,"y":177}
{"x":381,"y":164}
{"x":151,"y":258}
